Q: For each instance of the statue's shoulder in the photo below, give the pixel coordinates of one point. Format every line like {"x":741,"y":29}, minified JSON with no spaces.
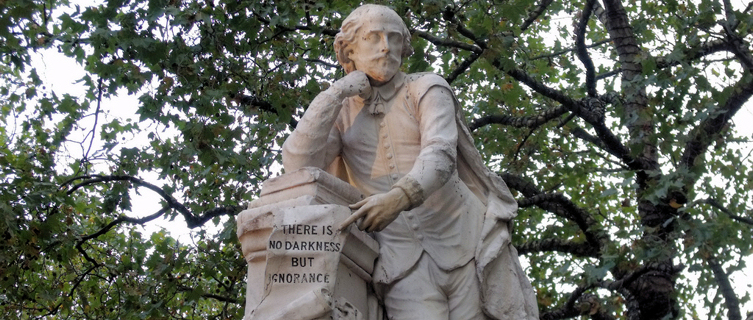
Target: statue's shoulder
{"x":419,"y":83}
{"x":425,"y":79}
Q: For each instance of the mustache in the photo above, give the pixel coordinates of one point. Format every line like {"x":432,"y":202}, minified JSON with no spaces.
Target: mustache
{"x":379,"y":56}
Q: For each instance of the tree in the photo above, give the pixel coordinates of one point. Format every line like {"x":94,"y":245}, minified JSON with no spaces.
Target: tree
{"x":612,"y":122}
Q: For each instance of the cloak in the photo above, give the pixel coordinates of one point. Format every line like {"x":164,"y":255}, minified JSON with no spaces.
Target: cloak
{"x":505,"y":290}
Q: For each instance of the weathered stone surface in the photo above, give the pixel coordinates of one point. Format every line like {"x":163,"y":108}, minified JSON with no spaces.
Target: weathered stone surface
{"x":299,"y":265}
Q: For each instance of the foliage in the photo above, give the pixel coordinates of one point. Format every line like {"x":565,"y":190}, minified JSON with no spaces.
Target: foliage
{"x":611,"y":122}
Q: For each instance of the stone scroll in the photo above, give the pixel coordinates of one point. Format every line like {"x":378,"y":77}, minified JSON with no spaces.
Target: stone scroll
{"x":300,"y":267}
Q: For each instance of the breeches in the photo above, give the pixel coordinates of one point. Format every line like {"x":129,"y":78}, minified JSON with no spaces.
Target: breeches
{"x":430,"y":293}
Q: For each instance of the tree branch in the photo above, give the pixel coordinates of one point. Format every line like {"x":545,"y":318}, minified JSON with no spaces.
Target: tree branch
{"x":519,"y":122}
{"x":558,"y":204}
{"x":76,"y":283}
{"x":608,"y":74}
{"x":533,"y":15}
{"x":122,"y":219}
{"x":96,"y":118}
{"x":733,"y":216}
{"x":80,"y":249}
{"x":539,"y":87}
{"x":632,"y":305}
{"x":569,"y":310}
{"x":580,"y":133}
{"x":709,"y":129}
{"x":626,"y":280}
{"x":730,"y":299}
{"x":216,"y":212}
{"x":591,"y":305}
{"x":689,"y":54}
{"x":692,"y":53}
{"x":729,"y":13}
{"x":591,"y":110}
{"x":449,"y":16}
{"x":192,"y":220}
{"x":739,"y":48}
{"x":324,"y":63}
{"x":211,"y":296}
{"x":254,"y":101}
{"x":582,"y":53}
{"x":263,"y":105}
{"x":462,"y":67}
{"x":560,"y":313}
{"x":94,"y":179}
{"x":105,"y":229}
{"x":600,"y":13}
{"x":578,"y":249}
{"x":447,"y":42}
{"x":561,"y":52}
{"x":322,"y":30}
{"x":594,"y":115}
{"x":475,"y":50}
{"x":565,"y":208}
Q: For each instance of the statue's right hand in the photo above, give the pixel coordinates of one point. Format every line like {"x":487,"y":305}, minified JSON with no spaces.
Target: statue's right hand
{"x":355,"y":83}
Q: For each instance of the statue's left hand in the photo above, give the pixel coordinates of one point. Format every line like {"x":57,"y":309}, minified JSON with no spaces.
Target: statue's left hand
{"x":378,"y":210}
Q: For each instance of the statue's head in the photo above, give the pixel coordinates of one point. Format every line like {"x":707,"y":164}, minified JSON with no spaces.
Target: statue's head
{"x":373,"y":39}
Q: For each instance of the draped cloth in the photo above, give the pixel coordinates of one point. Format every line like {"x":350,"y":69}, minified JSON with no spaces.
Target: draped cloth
{"x":505,"y":290}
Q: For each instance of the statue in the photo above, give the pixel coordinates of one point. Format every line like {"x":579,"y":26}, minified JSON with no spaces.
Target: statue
{"x":441,"y":218}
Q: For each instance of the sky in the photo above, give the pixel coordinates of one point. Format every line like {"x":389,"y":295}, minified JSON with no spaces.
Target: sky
{"x":61,"y":75}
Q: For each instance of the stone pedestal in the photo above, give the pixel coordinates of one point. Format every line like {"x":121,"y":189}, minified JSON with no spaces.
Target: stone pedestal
{"x":299,"y":266}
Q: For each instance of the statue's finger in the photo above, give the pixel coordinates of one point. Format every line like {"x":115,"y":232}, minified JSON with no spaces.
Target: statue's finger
{"x":367,"y":222}
{"x":372,"y":228}
{"x":355,"y":216}
{"x":377,"y":227}
{"x":358,"y":204}
{"x":377,"y":224}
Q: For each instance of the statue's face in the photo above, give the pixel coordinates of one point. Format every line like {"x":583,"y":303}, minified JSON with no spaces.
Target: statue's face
{"x":378,"y":47}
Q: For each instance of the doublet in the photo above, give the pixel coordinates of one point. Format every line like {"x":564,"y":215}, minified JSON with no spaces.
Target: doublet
{"x":412,"y":143}
{"x":400,"y":138}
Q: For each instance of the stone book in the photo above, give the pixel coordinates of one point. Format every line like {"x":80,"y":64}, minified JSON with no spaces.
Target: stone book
{"x":314,"y":182}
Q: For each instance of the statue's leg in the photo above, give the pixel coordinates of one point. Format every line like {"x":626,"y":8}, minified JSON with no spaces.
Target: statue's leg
{"x":417,"y":295}
{"x":463,"y":293}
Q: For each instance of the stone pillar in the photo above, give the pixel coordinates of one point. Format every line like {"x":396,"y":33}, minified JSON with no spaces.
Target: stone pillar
{"x":299,"y":266}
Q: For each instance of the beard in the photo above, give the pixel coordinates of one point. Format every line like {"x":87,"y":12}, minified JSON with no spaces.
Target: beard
{"x":382,"y":68}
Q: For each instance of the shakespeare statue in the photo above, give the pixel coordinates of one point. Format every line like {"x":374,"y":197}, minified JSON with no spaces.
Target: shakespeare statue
{"x":441,"y":218}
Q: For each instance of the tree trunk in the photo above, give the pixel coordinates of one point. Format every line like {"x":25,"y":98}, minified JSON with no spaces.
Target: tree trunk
{"x":651,"y":292}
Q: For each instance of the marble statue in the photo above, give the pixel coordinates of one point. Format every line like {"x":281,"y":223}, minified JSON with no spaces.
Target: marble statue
{"x":441,"y":218}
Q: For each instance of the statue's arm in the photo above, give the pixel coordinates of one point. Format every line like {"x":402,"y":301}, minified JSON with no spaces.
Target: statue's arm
{"x":439,"y":134}
{"x":316,"y":141}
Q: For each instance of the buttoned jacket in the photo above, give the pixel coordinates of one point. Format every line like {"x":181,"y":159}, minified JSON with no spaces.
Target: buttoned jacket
{"x":403,"y":137}
{"x":399,"y":136}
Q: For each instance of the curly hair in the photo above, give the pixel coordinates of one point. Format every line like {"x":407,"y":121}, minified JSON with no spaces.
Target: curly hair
{"x":350,"y":28}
